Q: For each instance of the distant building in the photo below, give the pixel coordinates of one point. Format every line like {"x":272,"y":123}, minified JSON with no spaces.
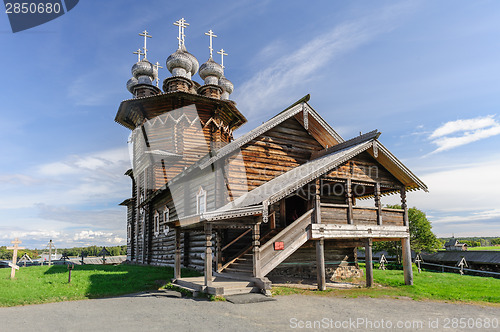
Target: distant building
{"x":454,"y":245}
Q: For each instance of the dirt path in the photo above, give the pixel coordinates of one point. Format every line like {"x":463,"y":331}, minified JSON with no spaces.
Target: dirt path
{"x":166,"y":312}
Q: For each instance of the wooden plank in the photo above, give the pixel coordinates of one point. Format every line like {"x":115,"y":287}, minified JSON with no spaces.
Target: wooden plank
{"x":338,"y":231}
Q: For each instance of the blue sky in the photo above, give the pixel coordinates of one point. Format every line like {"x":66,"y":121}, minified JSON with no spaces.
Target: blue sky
{"x":424,"y":73}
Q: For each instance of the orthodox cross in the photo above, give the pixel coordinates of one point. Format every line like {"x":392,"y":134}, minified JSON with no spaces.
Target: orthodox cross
{"x":382,"y":262}
{"x":103,"y":252}
{"x":418,"y":260}
{"x":13,"y":265}
{"x":25,"y":258}
{"x":210,"y":34}
{"x":139,"y":53}
{"x":146,"y":36}
{"x":462,"y":263}
{"x":222,"y":53}
{"x":157,"y":65}
{"x":181,"y":24}
{"x":50,"y":246}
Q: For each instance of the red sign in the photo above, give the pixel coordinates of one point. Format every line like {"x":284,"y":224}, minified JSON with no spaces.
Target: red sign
{"x":279,"y":245}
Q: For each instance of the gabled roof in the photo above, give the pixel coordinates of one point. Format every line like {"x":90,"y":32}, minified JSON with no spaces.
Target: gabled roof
{"x":285,"y":184}
{"x":301,"y":106}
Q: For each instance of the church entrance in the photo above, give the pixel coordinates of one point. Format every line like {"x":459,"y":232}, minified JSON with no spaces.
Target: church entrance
{"x":295,"y":207}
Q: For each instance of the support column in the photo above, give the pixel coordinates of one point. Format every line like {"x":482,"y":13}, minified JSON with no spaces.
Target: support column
{"x":378,"y":204}
{"x":368,"y":262}
{"x":404,"y":206}
{"x":348,"y":191}
{"x":320,"y":263}
{"x":218,"y":251}
{"x":208,"y":255}
{"x":407,"y":267}
{"x":320,"y":244}
{"x":256,"y":250}
{"x":177,"y":266}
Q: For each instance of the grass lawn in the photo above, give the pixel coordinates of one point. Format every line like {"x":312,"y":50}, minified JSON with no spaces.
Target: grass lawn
{"x":494,"y":248}
{"x":426,"y":285}
{"x":42,"y":284}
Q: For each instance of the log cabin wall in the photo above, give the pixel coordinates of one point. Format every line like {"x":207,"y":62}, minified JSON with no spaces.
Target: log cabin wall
{"x":273,"y":153}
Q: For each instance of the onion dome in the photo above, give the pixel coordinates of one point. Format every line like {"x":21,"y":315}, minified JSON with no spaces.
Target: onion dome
{"x":131,"y":83}
{"x":195,"y":65}
{"x":227,"y":87}
{"x":179,"y":63}
{"x":211,"y":72}
{"x":144,"y":72}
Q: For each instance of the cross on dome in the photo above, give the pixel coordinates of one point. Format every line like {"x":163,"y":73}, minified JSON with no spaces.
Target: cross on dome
{"x":181,"y":24}
{"x":146,"y":36}
{"x":222,"y":53}
{"x":157,"y":65}
{"x":211,"y":34}
{"x":139,"y":53}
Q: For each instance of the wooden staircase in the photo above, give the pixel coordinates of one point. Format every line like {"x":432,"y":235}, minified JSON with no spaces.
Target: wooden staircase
{"x":293,"y":237}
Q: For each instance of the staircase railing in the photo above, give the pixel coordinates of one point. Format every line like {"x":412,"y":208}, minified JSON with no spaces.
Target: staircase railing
{"x":293,"y":237}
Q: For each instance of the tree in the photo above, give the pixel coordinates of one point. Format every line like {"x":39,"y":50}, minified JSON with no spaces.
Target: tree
{"x":421,"y":236}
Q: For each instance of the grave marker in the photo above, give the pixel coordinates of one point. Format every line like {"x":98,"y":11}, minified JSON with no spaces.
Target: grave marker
{"x":13,"y":265}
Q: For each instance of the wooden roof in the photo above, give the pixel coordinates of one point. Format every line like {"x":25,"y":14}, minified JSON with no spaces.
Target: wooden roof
{"x":133,"y":112}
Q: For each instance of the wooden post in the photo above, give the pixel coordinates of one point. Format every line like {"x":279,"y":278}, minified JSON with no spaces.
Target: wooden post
{"x":256,"y":250}
{"x":320,"y":244}
{"x":208,"y":255}
{"x":368,"y":262}
{"x":407,"y":269}
{"x":177,"y":266}
{"x":404,"y":207}
{"x":218,"y":251}
{"x":378,"y":204}
{"x":348,"y":191}
{"x":320,"y":263}
{"x":282,"y":213}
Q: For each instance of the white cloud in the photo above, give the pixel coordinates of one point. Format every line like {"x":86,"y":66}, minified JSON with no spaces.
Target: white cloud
{"x":276,"y":83}
{"x":469,"y":130}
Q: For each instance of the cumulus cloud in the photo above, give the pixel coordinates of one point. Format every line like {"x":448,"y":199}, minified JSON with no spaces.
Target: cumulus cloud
{"x":464,"y":132}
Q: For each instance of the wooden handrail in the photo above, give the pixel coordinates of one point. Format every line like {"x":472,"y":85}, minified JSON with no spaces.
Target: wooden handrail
{"x":334,"y":205}
{"x":287,"y":229}
{"x":239,"y":237}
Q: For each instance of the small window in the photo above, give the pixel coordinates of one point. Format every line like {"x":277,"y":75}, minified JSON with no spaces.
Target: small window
{"x":201,"y":201}
{"x":129,"y":231}
{"x":157,"y":223}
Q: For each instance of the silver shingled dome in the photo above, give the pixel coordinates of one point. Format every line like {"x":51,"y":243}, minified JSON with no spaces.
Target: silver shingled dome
{"x":226,"y":85}
{"x":211,"y":71}
{"x":131,"y":83}
{"x":143,"y":68}
{"x":179,"y":63}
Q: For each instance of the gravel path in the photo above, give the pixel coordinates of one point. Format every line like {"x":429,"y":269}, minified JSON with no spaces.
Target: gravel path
{"x":157,"y":311}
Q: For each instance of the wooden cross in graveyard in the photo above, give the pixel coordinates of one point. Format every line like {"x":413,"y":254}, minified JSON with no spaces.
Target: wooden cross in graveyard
{"x":25,"y":258}
{"x":418,"y":260}
{"x":157,"y":66}
{"x":210,"y":34}
{"x":51,"y":246}
{"x":13,"y":265}
{"x":462,"y":263}
{"x":382,"y":262}
{"x":222,"y":53}
{"x":139,"y":53}
{"x":104,"y":252}
{"x":146,"y":36}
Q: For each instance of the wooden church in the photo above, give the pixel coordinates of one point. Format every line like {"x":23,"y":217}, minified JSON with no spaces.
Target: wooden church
{"x":280,"y":200}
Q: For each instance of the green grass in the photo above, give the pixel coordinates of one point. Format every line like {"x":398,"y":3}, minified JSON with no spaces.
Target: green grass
{"x":426,"y":286}
{"x":493,"y":248}
{"x":43,"y":284}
